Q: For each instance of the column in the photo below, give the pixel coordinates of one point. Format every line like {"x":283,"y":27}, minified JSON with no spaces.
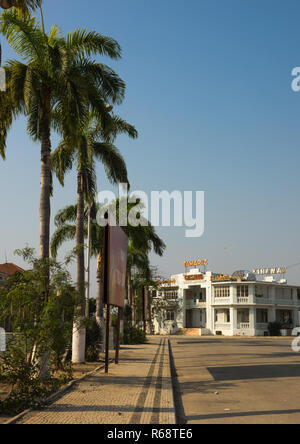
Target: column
{"x":233,"y":320}
{"x":295,"y":318}
{"x":233,"y":294}
{"x":251,"y":293}
{"x":252,"y":320}
{"x":184,"y":308}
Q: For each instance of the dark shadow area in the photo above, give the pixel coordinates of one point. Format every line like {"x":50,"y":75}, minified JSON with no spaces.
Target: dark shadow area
{"x":99,"y":408}
{"x":126,"y":347}
{"x":179,"y":409}
{"x":240,"y":414}
{"x":103,"y":380}
{"x":204,"y":387}
{"x":270,"y":371}
{"x":213,"y":341}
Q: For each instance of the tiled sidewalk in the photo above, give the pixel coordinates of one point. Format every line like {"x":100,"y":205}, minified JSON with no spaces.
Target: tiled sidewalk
{"x":137,"y":391}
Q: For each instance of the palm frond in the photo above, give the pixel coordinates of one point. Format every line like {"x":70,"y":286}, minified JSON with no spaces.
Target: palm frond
{"x":24,"y":6}
{"x":113,"y":162}
{"x":86,"y":43}
{"x":23,"y":34}
{"x":62,"y":234}
{"x":67,"y":214}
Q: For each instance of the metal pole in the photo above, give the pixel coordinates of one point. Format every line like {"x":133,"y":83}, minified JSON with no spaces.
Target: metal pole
{"x":107,"y":338}
{"x":118,"y":335}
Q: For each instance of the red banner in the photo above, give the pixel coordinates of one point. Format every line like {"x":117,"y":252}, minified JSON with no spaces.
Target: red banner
{"x":117,"y":264}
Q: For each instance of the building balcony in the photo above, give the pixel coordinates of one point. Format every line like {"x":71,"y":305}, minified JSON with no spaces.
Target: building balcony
{"x":223,"y":326}
{"x":244,"y":326}
{"x":192,"y":304}
{"x":253,"y":300}
{"x":222,"y":301}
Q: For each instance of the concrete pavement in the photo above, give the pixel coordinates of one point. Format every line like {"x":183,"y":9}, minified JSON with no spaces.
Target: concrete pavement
{"x":237,"y":380}
{"x":137,"y":391}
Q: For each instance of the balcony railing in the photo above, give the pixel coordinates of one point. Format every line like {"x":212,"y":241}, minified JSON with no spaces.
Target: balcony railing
{"x":223,"y":326}
{"x":244,"y":300}
{"x":198,"y":304}
{"x":244,"y":326}
{"x":222,"y":301}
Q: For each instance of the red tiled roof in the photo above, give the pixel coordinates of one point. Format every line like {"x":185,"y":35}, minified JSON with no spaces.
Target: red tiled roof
{"x":10,"y":269}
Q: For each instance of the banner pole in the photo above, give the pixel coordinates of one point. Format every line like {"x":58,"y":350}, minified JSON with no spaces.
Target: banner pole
{"x":118,"y":335}
{"x":107,"y":338}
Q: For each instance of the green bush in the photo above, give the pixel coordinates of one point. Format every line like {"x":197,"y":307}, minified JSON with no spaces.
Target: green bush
{"x":21,"y":374}
{"x":274,"y":328}
{"x":133,"y":336}
{"x":93,"y":340}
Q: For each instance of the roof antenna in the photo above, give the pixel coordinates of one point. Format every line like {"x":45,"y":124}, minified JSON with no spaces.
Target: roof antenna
{"x":5,"y":257}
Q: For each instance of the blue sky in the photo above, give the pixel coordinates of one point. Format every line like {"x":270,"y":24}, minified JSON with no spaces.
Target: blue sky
{"x":209,"y":90}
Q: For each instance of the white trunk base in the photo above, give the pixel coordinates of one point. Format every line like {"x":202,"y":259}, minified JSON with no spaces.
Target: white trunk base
{"x":78,"y":345}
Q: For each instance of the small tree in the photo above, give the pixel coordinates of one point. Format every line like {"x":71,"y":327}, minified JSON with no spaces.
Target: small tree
{"x":41,"y":314}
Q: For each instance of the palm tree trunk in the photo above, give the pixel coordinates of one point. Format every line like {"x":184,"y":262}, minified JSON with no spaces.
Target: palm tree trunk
{"x":45,"y":210}
{"x":45,"y":181}
{"x":99,"y":299}
{"x":79,"y":331}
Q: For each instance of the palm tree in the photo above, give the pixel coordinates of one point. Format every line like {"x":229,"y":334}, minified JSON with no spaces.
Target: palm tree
{"x":84,"y":149}
{"x":55,"y":87}
{"x":24,"y":6}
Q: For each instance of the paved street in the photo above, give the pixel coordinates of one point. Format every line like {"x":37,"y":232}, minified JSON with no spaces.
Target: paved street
{"x":137,"y":391}
{"x":237,"y":380}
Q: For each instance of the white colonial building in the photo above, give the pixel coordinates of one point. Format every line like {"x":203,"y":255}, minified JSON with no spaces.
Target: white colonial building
{"x":227,"y":305}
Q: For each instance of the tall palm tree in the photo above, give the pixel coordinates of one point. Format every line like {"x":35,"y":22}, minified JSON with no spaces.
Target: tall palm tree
{"x":55,"y":87}
{"x":85,"y":149}
{"x":24,"y":6}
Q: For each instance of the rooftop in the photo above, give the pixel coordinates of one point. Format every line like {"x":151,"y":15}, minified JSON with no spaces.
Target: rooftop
{"x":10,"y":269}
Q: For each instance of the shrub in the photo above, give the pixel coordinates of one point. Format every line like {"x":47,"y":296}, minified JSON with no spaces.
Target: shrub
{"x":93,"y":340}
{"x":133,"y":336}
{"x":274,"y":328}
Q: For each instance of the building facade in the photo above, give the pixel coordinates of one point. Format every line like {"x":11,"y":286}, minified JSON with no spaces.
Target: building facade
{"x":226,"y":305}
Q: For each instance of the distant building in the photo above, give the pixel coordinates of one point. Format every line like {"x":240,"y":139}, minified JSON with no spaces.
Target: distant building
{"x":7,"y":270}
{"x":219,"y":304}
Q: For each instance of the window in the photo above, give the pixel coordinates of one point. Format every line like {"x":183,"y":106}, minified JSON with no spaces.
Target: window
{"x":258,"y":291}
{"x":227,"y":316}
{"x":170,"y":316}
{"x":242,"y":291}
{"x":262,"y":316}
{"x":222,"y":291}
{"x":298,"y":294}
{"x":171,"y":295}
